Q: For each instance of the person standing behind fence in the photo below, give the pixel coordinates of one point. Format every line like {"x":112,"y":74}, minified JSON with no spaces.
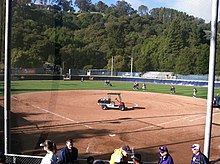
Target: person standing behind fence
{"x":69,"y":154}
{"x":198,"y":157}
{"x":120,"y":155}
{"x":136,"y":158}
{"x":165,"y":157}
{"x":90,"y":160}
{"x":2,"y":158}
{"x":50,"y":148}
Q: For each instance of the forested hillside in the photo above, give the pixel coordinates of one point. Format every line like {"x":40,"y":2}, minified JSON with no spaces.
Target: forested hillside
{"x":161,"y":39}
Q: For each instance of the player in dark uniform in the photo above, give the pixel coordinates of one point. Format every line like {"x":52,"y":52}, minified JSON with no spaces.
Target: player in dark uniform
{"x":172,"y":90}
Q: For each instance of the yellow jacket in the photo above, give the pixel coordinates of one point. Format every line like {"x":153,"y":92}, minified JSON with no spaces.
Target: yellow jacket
{"x":118,"y":154}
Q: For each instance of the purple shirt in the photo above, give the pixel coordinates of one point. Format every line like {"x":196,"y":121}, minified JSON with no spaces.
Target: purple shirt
{"x":166,"y":160}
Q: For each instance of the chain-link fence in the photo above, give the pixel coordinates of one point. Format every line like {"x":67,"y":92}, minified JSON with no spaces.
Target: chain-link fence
{"x":27,"y":159}
{"x":22,"y":159}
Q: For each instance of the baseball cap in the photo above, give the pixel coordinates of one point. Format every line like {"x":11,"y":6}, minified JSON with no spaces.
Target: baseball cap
{"x":126,"y":148}
{"x":195,"y":146}
{"x":98,"y":162}
{"x":43,"y":144}
{"x":136,"y":157}
{"x":46,"y":143}
{"x":163,"y":149}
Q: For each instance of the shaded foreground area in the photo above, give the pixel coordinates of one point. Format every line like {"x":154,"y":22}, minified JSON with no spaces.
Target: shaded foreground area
{"x":1,"y":129}
{"x":158,"y":119}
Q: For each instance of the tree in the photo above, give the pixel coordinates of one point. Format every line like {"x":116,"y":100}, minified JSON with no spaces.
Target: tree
{"x":176,"y":36}
{"x":101,"y":7}
{"x":185,"y":62}
{"x":65,"y":5}
{"x":143,"y":10}
{"x":21,"y":2}
{"x":31,"y":59}
{"x":123,"y":8}
{"x":115,"y":32}
{"x":202,"y":59}
{"x":157,"y":41}
{"x":83,"y":5}
{"x":2,"y":28}
{"x":217,"y":68}
{"x":175,"y":42}
{"x":119,"y":63}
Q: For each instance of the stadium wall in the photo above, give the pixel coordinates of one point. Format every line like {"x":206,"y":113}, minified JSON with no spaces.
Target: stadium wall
{"x":113,"y":78}
{"x":144,"y":80}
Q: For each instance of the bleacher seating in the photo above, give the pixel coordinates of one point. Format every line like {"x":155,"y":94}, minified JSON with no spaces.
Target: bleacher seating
{"x":158,"y":75}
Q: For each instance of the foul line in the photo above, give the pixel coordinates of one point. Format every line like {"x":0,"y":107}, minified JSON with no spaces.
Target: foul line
{"x":66,"y":118}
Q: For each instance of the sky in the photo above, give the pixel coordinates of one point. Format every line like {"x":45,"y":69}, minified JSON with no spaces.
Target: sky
{"x":197,"y":8}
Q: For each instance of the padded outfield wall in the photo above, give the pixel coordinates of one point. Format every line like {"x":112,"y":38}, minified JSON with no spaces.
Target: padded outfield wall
{"x":144,"y":80}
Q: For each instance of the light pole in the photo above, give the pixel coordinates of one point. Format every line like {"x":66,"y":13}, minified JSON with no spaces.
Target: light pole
{"x":112,"y":66}
{"x":132,"y":66}
{"x":208,"y":127}
{"x":63,"y":65}
{"x":7,"y":76}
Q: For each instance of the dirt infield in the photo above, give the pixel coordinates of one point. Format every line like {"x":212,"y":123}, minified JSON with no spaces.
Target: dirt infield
{"x":158,"y":119}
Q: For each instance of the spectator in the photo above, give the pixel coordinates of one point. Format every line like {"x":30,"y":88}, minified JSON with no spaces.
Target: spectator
{"x":68,"y":154}
{"x":90,"y":160}
{"x":98,"y":162}
{"x":2,"y":158}
{"x":136,"y":158}
{"x":165,"y":157}
{"x":198,"y":157}
{"x":50,"y":148}
{"x":120,"y":155}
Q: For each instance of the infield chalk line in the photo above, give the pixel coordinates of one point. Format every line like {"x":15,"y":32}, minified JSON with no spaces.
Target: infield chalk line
{"x":47,"y":111}
{"x":162,"y":123}
{"x":201,"y":117}
{"x":58,"y":115}
{"x":87,"y":149}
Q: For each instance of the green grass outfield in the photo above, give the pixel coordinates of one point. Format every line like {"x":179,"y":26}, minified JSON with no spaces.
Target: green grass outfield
{"x":53,"y":85}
